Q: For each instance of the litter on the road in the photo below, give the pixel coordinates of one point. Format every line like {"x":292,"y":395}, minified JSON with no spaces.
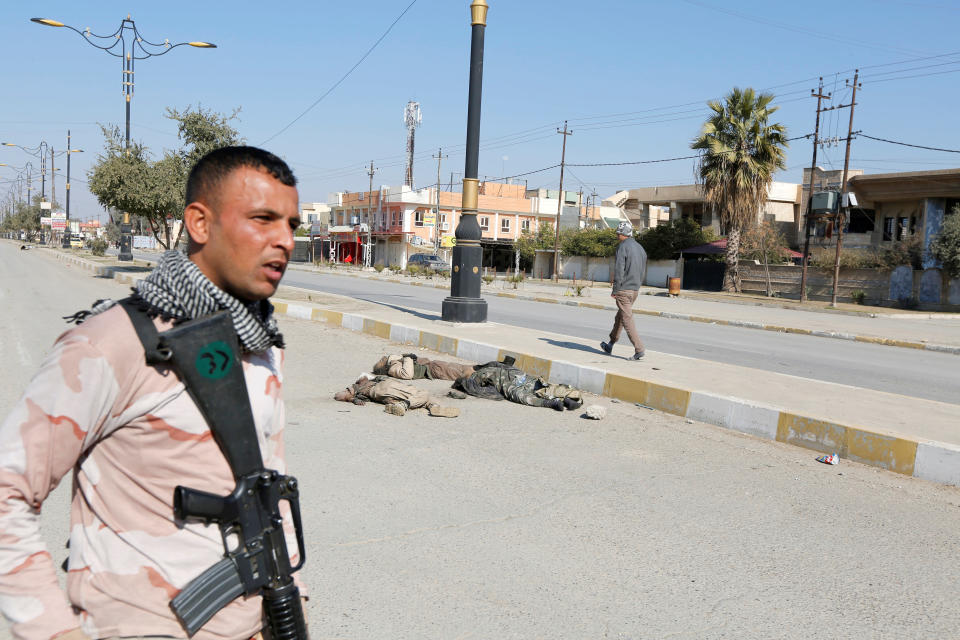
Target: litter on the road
{"x":644,"y":406}
{"x":595,"y":412}
{"x":830,"y":458}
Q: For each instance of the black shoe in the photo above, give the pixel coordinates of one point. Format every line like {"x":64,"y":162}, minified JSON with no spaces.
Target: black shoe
{"x":572,"y":403}
{"x":554,"y":403}
{"x":638,"y":355}
{"x":607,"y":347}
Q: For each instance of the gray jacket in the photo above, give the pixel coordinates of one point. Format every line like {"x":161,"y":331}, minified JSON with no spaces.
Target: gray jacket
{"x":630,"y":266}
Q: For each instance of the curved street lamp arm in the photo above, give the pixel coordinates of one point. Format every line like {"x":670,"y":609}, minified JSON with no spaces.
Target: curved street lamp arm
{"x":86,"y":34}
{"x":170,"y":47}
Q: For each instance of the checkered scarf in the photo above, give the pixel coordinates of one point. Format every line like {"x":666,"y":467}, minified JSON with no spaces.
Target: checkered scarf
{"x":177,"y":290}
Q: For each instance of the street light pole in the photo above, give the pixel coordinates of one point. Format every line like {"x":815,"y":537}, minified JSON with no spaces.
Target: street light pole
{"x":464,"y":303}
{"x":128,"y":55}
{"x":69,"y":152}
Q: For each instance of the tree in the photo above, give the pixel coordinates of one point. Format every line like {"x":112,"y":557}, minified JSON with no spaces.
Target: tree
{"x":765,"y":243}
{"x":528,"y":243}
{"x":592,"y":243}
{"x":128,"y":180}
{"x":663,"y":241}
{"x":740,"y":151}
{"x":946,"y":245}
{"x":26,"y":216}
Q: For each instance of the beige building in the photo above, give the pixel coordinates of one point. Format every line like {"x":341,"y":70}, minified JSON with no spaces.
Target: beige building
{"x":897,"y":206}
{"x":649,"y":206}
{"x":395,"y":222}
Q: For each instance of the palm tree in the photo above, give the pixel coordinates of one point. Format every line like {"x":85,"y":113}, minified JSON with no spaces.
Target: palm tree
{"x":740,"y":153}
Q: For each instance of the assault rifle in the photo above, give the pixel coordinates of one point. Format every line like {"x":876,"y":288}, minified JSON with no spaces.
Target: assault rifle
{"x":256,"y":560}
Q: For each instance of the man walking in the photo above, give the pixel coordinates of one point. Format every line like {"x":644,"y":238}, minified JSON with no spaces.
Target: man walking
{"x":630,"y":266}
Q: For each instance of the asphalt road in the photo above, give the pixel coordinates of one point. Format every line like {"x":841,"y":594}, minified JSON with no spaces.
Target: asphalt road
{"x":910,"y":372}
{"x":922,"y":374}
{"x":515,"y":522}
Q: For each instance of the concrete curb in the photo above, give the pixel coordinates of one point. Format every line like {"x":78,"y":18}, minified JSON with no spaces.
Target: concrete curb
{"x":744,"y":324}
{"x":925,"y":459}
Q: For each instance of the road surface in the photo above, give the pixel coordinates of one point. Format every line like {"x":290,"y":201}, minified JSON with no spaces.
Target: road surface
{"x":515,"y":522}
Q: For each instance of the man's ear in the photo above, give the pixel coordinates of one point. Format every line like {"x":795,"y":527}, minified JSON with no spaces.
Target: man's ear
{"x":197,"y":217}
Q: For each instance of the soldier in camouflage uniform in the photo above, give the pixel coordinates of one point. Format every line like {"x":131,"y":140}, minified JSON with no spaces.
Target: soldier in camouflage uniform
{"x":498,"y":380}
{"x":396,"y":396}
{"x":409,"y":366}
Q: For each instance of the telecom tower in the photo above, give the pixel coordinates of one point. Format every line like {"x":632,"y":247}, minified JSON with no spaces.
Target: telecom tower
{"x":411,"y":120}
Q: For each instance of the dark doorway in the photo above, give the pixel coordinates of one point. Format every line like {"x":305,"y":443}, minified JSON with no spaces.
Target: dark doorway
{"x":704,"y":275}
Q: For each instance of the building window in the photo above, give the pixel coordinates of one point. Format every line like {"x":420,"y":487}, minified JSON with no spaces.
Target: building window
{"x":860,"y":221}
{"x":525,"y":225}
{"x":396,"y":218}
{"x":504,"y":225}
{"x":889,"y":229}
{"x":443,"y":222}
{"x":484,"y":223}
{"x":418,"y":218}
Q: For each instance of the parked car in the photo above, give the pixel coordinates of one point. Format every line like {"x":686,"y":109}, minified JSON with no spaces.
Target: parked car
{"x":428,"y":261}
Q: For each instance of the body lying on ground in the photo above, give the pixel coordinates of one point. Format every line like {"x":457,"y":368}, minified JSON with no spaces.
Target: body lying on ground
{"x":396,"y":396}
{"x":499,"y":380}
{"x":409,"y":366}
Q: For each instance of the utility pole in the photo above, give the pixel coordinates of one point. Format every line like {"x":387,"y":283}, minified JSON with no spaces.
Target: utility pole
{"x":819,"y":95}
{"x":581,"y":211}
{"x":556,"y":239}
{"x":841,"y":216}
{"x":436,"y":219}
{"x":367,"y":258}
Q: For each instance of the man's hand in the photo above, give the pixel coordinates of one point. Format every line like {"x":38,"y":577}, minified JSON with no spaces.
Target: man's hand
{"x":73,"y":634}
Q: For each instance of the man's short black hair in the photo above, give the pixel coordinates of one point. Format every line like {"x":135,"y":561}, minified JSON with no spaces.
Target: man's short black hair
{"x":214,"y":167}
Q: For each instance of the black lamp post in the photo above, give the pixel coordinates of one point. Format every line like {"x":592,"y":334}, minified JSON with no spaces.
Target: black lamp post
{"x":464,"y":303}
{"x":128,"y":53}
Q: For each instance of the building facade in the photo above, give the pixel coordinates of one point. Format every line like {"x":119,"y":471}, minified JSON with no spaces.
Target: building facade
{"x":392,"y":223}
{"x":648,"y":207}
{"x":899,"y":206}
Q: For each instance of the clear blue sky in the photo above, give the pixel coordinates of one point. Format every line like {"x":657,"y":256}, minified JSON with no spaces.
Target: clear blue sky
{"x":616,"y":70}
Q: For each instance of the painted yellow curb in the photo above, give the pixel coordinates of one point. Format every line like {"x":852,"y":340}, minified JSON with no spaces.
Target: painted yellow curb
{"x":878,"y":450}
{"x":890,"y":342}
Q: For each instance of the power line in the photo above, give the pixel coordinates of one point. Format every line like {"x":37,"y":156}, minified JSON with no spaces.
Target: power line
{"x":907,"y":144}
{"x":809,"y":32}
{"x":344,"y":76}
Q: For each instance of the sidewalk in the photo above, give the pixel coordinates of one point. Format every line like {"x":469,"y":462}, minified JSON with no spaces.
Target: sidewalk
{"x":917,"y":330}
{"x":906,"y":435}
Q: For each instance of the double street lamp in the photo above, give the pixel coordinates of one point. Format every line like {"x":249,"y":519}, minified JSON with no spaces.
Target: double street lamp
{"x":41,"y":151}
{"x":67,"y":233}
{"x":138,"y":48}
